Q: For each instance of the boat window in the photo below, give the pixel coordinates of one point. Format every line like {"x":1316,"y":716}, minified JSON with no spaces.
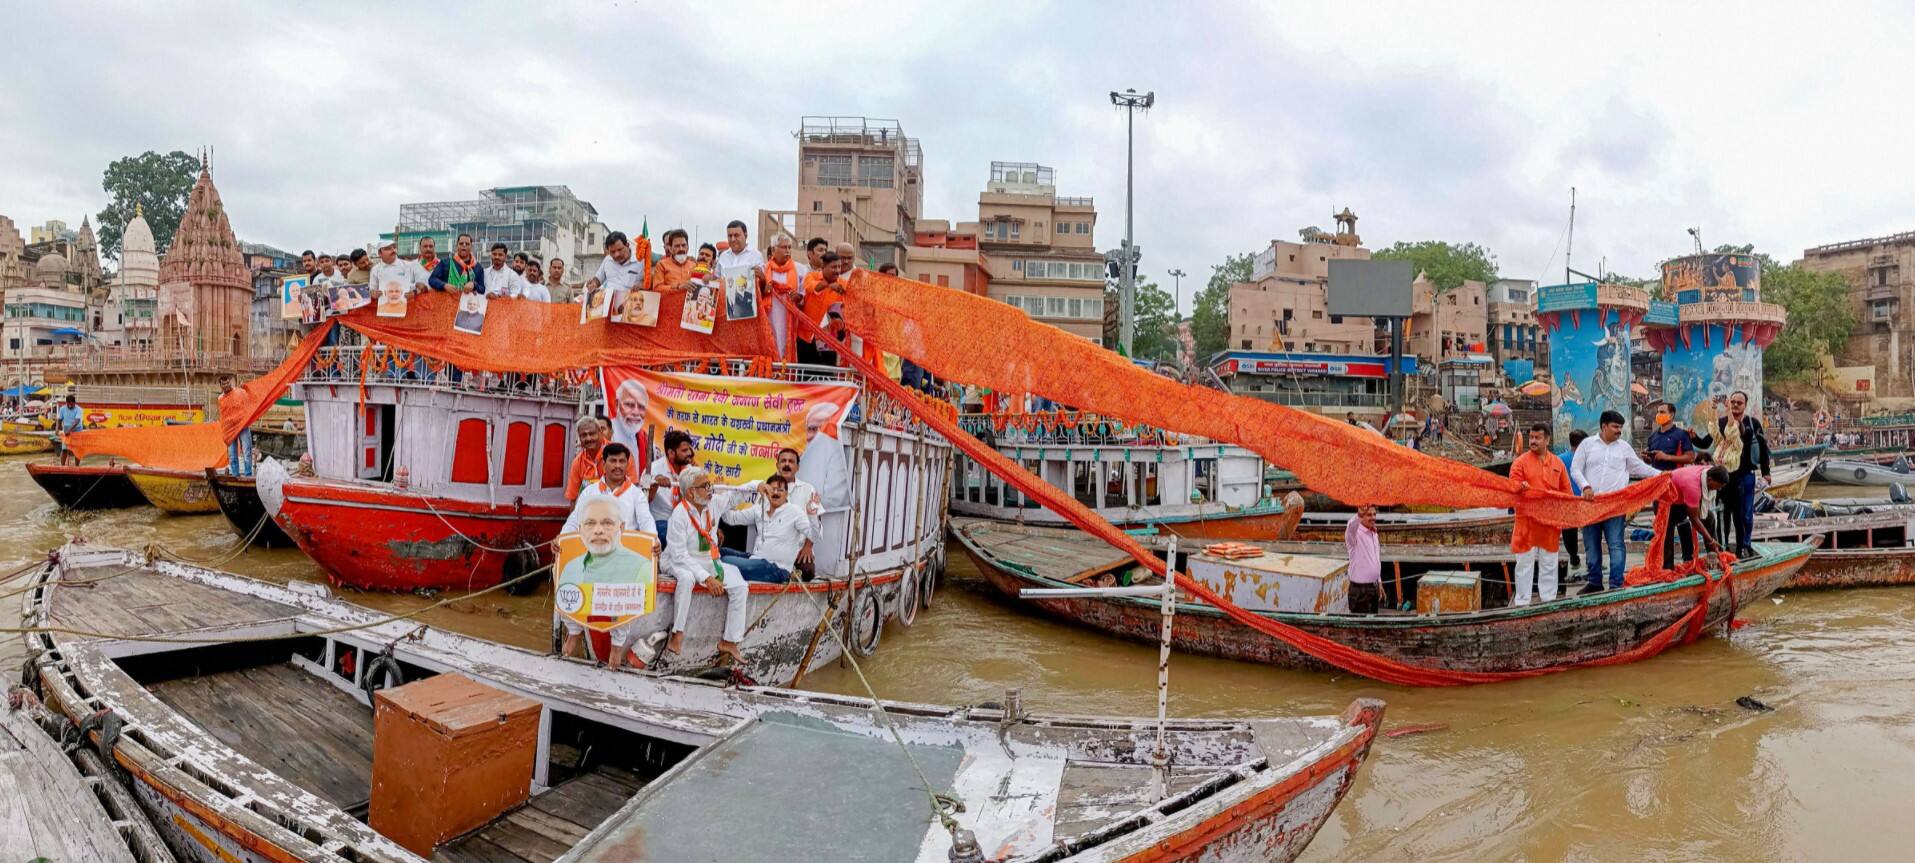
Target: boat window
{"x":1152,"y":494}
{"x":552,"y":456}
{"x":1084,"y":483}
{"x":1205,"y":479}
{"x":1034,"y":466}
{"x":993,"y":487}
{"x":518,"y":453}
{"x":1115,"y":475}
{"x":472,"y":451}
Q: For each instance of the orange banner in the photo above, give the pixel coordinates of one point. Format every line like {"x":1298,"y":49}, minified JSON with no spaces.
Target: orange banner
{"x":737,"y":424}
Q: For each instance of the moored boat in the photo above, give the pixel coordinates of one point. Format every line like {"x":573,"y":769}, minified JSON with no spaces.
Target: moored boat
{"x":1865,"y":550}
{"x":181,"y":492}
{"x":611,"y":760}
{"x":1570,"y":631}
{"x":1848,"y":472}
{"x":238,"y":500}
{"x":1791,"y":480}
{"x":25,"y":443}
{"x":62,"y":802}
{"x":1458,"y":527}
{"x":86,"y":486}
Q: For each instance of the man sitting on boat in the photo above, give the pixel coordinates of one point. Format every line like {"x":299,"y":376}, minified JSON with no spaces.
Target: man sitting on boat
{"x":615,"y":481}
{"x":1536,"y":544}
{"x":606,"y":559}
{"x":662,"y":478}
{"x":691,"y":557}
{"x":784,"y":532}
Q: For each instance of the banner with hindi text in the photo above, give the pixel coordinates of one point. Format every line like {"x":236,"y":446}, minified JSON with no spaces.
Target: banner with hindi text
{"x":737,"y":424}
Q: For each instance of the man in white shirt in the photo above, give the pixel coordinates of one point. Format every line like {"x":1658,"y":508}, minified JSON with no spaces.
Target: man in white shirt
{"x":737,"y":253}
{"x":328,"y":276}
{"x":784,"y":532}
{"x":661,"y":480}
{"x":1605,"y":463}
{"x":691,"y":558}
{"x":500,"y":280}
{"x":619,"y":272}
{"x":391,"y":268}
{"x":534,"y":276}
{"x":615,"y":481}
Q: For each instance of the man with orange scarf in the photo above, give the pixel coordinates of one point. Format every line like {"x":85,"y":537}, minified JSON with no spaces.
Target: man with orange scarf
{"x":461,"y":272}
{"x":821,"y":292}
{"x":782,"y":279}
{"x":675,"y":269}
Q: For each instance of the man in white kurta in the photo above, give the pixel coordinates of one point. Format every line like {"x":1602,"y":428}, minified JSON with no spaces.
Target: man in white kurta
{"x":691,"y":558}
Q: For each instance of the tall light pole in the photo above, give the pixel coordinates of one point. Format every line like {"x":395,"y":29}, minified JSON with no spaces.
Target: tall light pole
{"x":1132,"y":102}
{"x":1177,"y":292}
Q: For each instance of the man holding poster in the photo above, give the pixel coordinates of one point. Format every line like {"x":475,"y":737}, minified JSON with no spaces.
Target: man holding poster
{"x":606,"y":579}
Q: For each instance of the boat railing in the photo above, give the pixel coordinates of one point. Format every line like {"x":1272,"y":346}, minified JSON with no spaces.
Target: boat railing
{"x":342,"y":365}
{"x":1070,"y":428}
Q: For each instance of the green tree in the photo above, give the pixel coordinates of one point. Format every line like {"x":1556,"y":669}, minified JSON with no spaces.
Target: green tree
{"x":1820,"y":319}
{"x":159,"y":183}
{"x":1448,"y":265}
{"x":1156,"y":336}
{"x":1210,"y":310}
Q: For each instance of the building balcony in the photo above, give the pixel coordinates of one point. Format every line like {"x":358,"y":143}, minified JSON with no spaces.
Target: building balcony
{"x":1076,"y":203}
{"x":1882,"y":292}
{"x":1622,"y":296}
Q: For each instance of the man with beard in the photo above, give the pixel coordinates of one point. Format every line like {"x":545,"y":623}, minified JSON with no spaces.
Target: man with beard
{"x":691,"y":558}
{"x":823,"y":463}
{"x":606,"y":560}
{"x":674,"y":269}
{"x":461,"y":272}
{"x":783,"y":279}
{"x":615,"y":481}
{"x":628,"y":419}
{"x":584,"y":467}
{"x":499,"y":278}
{"x":1536,"y":544}
{"x":618,"y":272}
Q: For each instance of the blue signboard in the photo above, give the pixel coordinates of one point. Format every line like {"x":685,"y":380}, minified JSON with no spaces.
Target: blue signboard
{"x":1661,"y":312}
{"x":1562,"y":298}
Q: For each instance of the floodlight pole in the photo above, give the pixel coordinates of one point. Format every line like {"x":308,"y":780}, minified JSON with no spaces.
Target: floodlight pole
{"x":1132,"y":102}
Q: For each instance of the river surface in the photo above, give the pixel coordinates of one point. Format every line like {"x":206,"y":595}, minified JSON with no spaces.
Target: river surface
{"x":1652,"y":761}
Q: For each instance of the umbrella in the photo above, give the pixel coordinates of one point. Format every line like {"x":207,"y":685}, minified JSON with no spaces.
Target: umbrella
{"x":1497,"y":409}
{"x":1639,"y":389}
{"x":1536,"y":389}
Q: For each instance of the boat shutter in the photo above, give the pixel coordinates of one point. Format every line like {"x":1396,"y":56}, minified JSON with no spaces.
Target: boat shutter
{"x":472,"y":451}
{"x":552,"y":456}
{"x":518,"y":453}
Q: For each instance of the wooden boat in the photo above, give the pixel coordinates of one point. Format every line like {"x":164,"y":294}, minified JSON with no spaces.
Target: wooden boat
{"x":86,"y":486}
{"x":61,"y":805}
{"x":25,"y":443}
{"x":617,"y":757}
{"x":238,"y":499}
{"x":1865,"y":550}
{"x":181,"y":492}
{"x":1461,"y":527}
{"x":1567,"y":631}
{"x":1136,"y":480}
{"x":1791,"y":480}
{"x":1862,"y":473}
{"x":27,"y":426}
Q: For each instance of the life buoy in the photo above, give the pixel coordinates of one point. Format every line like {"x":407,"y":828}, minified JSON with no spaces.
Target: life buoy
{"x":1860,"y":474}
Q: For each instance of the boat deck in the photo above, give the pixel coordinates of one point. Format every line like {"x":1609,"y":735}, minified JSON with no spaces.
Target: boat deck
{"x":544,"y":829}
{"x":113,"y":602}
{"x":47,"y":809}
{"x":288,"y":721}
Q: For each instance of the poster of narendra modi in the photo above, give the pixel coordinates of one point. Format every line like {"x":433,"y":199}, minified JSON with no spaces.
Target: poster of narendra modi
{"x":607,"y":574}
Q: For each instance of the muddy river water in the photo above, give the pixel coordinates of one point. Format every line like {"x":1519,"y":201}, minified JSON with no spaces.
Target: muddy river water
{"x":1652,"y":761}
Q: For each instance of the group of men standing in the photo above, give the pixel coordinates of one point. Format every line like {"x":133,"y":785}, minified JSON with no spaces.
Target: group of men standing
{"x":502,"y":274}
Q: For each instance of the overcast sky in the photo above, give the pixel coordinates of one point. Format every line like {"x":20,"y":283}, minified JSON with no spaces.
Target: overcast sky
{"x":1767,"y":123}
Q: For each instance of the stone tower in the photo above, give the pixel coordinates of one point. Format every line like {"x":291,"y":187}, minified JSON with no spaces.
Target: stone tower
{"x":205,"y":295}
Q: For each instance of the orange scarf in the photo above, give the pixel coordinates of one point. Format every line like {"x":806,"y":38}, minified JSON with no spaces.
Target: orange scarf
{"x":789,"y":271}
{"x":704,"y":530}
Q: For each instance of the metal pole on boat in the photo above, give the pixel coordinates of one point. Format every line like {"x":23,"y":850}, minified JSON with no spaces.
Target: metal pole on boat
{"x":1159,"y":757}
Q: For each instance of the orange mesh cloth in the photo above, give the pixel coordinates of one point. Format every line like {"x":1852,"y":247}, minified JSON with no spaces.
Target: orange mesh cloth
{"x":201,"y":445}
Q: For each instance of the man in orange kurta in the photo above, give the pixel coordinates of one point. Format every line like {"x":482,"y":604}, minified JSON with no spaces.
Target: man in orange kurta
{"x":1535,"y":543}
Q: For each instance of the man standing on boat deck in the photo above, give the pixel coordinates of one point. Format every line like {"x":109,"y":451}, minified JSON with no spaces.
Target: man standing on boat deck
{"x":1572,"y":535}
{"x":1366,"y":561}
{"x":534,"y":277}
{"x":461,"y":272}
{"x":392,"y":269}
{"x":500,"y":280}
{"x":239,"y":453}
{"x":68,"y":419}
{"x":822,"y":291}
{"x":584,"y":466}
{"x":601,"y":525}
{"x":555,"y":277}
{"x":361,"y":272}
{"x":661,"y":479}
{"x":691,"y":558}
{"x":1742,"y":450}
{"x":737,"y":253}
{"x":1690,"y":480}
{"x":1536,"y":544}
{"x":615,"y":481}
{"x":1603,"y":464}
{"x":783,"y":279}
{"x":674,"y":269}
{"x":428,"y":254}
{"x":619,"y":271}
{"x":1670,"y":447}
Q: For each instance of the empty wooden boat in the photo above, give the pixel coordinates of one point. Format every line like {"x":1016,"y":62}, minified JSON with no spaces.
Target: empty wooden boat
{"x":241,"y":712}
{"x":60,"y":803}
{"x":1567,"y":631}
{"x":182,"y":492}
{"x":86,"y":486}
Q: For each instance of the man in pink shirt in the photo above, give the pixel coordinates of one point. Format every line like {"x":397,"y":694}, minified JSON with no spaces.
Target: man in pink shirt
{"x":1366,"y":561}
{"x":1689,"y":481}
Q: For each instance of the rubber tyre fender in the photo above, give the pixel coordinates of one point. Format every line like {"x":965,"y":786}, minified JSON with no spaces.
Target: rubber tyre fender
{"x":867,"y":622}
{"x":1861,"y":474}
{"x":929,"y":579}
{"x":907,"y":602}
{"x":381,"y":672}
{"x":517,"y":564}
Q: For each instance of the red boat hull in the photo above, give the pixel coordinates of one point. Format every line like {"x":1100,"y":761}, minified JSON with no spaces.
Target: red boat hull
{"x":384,"y":539}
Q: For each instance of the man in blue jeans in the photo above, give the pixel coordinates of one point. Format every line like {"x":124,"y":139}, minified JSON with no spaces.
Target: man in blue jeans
{"x":1602,"y":464}
{"x":239,"y":453}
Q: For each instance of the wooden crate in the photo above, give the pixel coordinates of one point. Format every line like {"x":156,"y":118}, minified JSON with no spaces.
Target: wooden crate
{"x":449,"y":754}
{"x":1278,"y":582}
{"x":1448,"y":592}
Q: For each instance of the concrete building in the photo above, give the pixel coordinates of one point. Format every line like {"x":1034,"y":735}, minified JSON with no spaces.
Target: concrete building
{"x":1326,"y":383}
{"x":1449,"y":324}
{"x":1284,"y":306}
{"x":543,"y":221}
{"x":44,"y":314}
{"x":1042,"y":248}
{"x":860,"y":181}
{"x":948,"y":256}
{"x":1881,"y":277}
{"x":1517,"y":342}
{"x":53,"y":230}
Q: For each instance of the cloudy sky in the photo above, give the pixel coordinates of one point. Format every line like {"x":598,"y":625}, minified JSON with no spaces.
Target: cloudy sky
{"x":1764,"y":123}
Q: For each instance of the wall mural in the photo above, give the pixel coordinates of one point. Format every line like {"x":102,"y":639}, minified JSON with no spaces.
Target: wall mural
{"x":1589,"y":362}
{"x":1698,"y":378}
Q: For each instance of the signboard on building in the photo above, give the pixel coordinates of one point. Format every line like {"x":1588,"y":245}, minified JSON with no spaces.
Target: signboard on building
{"x":1377,"y":289}
{"x":1714,"y":278}
{"x":1661,"y":312}
{"x":1312,"y":364}
{"x":1563,"y":298}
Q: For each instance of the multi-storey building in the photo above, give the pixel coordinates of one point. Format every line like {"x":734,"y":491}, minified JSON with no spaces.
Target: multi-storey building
{"x":542,"y":221}
{"x":1449,"y":324}
{"x":1042,"y":248}
{"x":1515,"y":339}
{"x":1881,"y":277}
{"x":948,"y":256}
{"x":1284,"y":307}
{"x":860,"y":181}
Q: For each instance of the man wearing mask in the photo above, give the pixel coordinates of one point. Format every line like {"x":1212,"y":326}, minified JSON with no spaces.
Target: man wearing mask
{"x":675,"y":269}
{"x":1670,"y":448}
{"x":461,"y":272}
{"x":1743,"y":451}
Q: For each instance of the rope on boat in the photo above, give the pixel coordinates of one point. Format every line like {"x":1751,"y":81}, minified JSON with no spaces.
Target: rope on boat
{"x":244,"y":639}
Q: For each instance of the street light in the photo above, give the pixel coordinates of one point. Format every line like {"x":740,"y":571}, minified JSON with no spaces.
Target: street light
{"x":1177,"y":292}
{"x":1132,"y":102}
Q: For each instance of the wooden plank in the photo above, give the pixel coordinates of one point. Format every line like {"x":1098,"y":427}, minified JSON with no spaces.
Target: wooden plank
{"x":289,"y":721}
{"x":47,"y":809}
{"x":475,"y":849}
{"x":528,"y":844}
